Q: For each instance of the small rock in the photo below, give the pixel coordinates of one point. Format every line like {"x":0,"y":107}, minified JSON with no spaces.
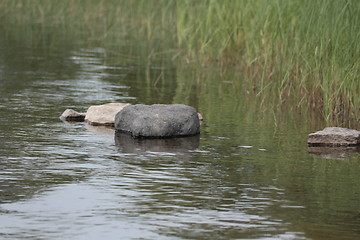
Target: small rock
{"x":200,"y":117}
{"x":334,"y":136}
{"x":158,"y":121}
{"x":103,"y":115}
{"x":72,"y":115}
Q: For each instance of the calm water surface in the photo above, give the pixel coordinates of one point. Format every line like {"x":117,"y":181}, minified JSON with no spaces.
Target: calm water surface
{"x":247,"y":176}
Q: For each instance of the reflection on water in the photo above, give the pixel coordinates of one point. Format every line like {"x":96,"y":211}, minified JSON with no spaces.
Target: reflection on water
{"x":339,"y":152}
{"x":100,"y":130}
{"x":127,"y":144}
{"x":240,"y":179}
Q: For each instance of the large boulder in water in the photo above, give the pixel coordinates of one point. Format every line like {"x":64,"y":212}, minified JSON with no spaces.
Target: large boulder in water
{"x":103,"y":115}
{"x":158,"y":121}
{"x":334,"y":136}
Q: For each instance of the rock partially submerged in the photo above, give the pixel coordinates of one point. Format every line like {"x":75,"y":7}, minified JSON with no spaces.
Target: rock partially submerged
{"x":158,"y":121}
{"x":103,"y":115}
{"x":72,"y":116}
{"x":334,"y":136}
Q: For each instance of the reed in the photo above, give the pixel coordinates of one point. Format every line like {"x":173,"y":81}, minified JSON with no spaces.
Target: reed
{"x":301,"y":51}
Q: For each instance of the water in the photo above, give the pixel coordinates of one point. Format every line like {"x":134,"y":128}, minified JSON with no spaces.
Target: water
{"x":249,"y":174}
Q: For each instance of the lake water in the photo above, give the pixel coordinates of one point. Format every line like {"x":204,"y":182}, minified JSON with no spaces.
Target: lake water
{"x":249,"y":175}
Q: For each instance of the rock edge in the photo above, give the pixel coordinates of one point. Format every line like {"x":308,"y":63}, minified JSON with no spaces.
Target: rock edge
{"x":334,"y":136}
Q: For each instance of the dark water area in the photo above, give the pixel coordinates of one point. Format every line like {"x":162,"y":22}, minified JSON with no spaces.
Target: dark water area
{"x":249,"y":175}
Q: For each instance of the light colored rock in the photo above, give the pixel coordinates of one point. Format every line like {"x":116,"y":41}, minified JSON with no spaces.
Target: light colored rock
{"x":200,"y":117}
{"x":103,"y":115}
{"x":334,"y":136}
{"x":72,"y":115}
{"x":158,"y":121}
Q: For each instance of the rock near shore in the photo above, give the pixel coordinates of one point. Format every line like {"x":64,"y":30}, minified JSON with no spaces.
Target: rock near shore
{"x":158,"y":121}
{"x":334,"y":136}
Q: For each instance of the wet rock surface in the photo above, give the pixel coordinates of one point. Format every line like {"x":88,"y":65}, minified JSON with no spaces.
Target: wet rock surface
{"x":72,"y":116}
{"x":103,"y":115}
{"x":158,"y":121}
{"x":334,"y":136}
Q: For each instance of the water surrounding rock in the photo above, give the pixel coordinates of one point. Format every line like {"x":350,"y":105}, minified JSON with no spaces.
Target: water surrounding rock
{"x":333,"y":152}
{"x":103,"y":114}
{"x":158,"y":121}
{"x":72,"y":115}
{"x":100,"y":130}
{"x":334,"y":136}
{"x":127,"y":144}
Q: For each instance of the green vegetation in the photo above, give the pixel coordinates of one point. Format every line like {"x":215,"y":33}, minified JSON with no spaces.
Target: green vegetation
{"x":303,"y":52}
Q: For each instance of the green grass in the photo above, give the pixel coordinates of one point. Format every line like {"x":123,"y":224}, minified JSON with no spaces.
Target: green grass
{"x":305,"y":52}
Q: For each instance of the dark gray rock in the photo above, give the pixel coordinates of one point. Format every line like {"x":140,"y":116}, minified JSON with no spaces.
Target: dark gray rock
{"x":158,"y":121}
{"x":72,"y":116}
{"x":334,"y":136}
